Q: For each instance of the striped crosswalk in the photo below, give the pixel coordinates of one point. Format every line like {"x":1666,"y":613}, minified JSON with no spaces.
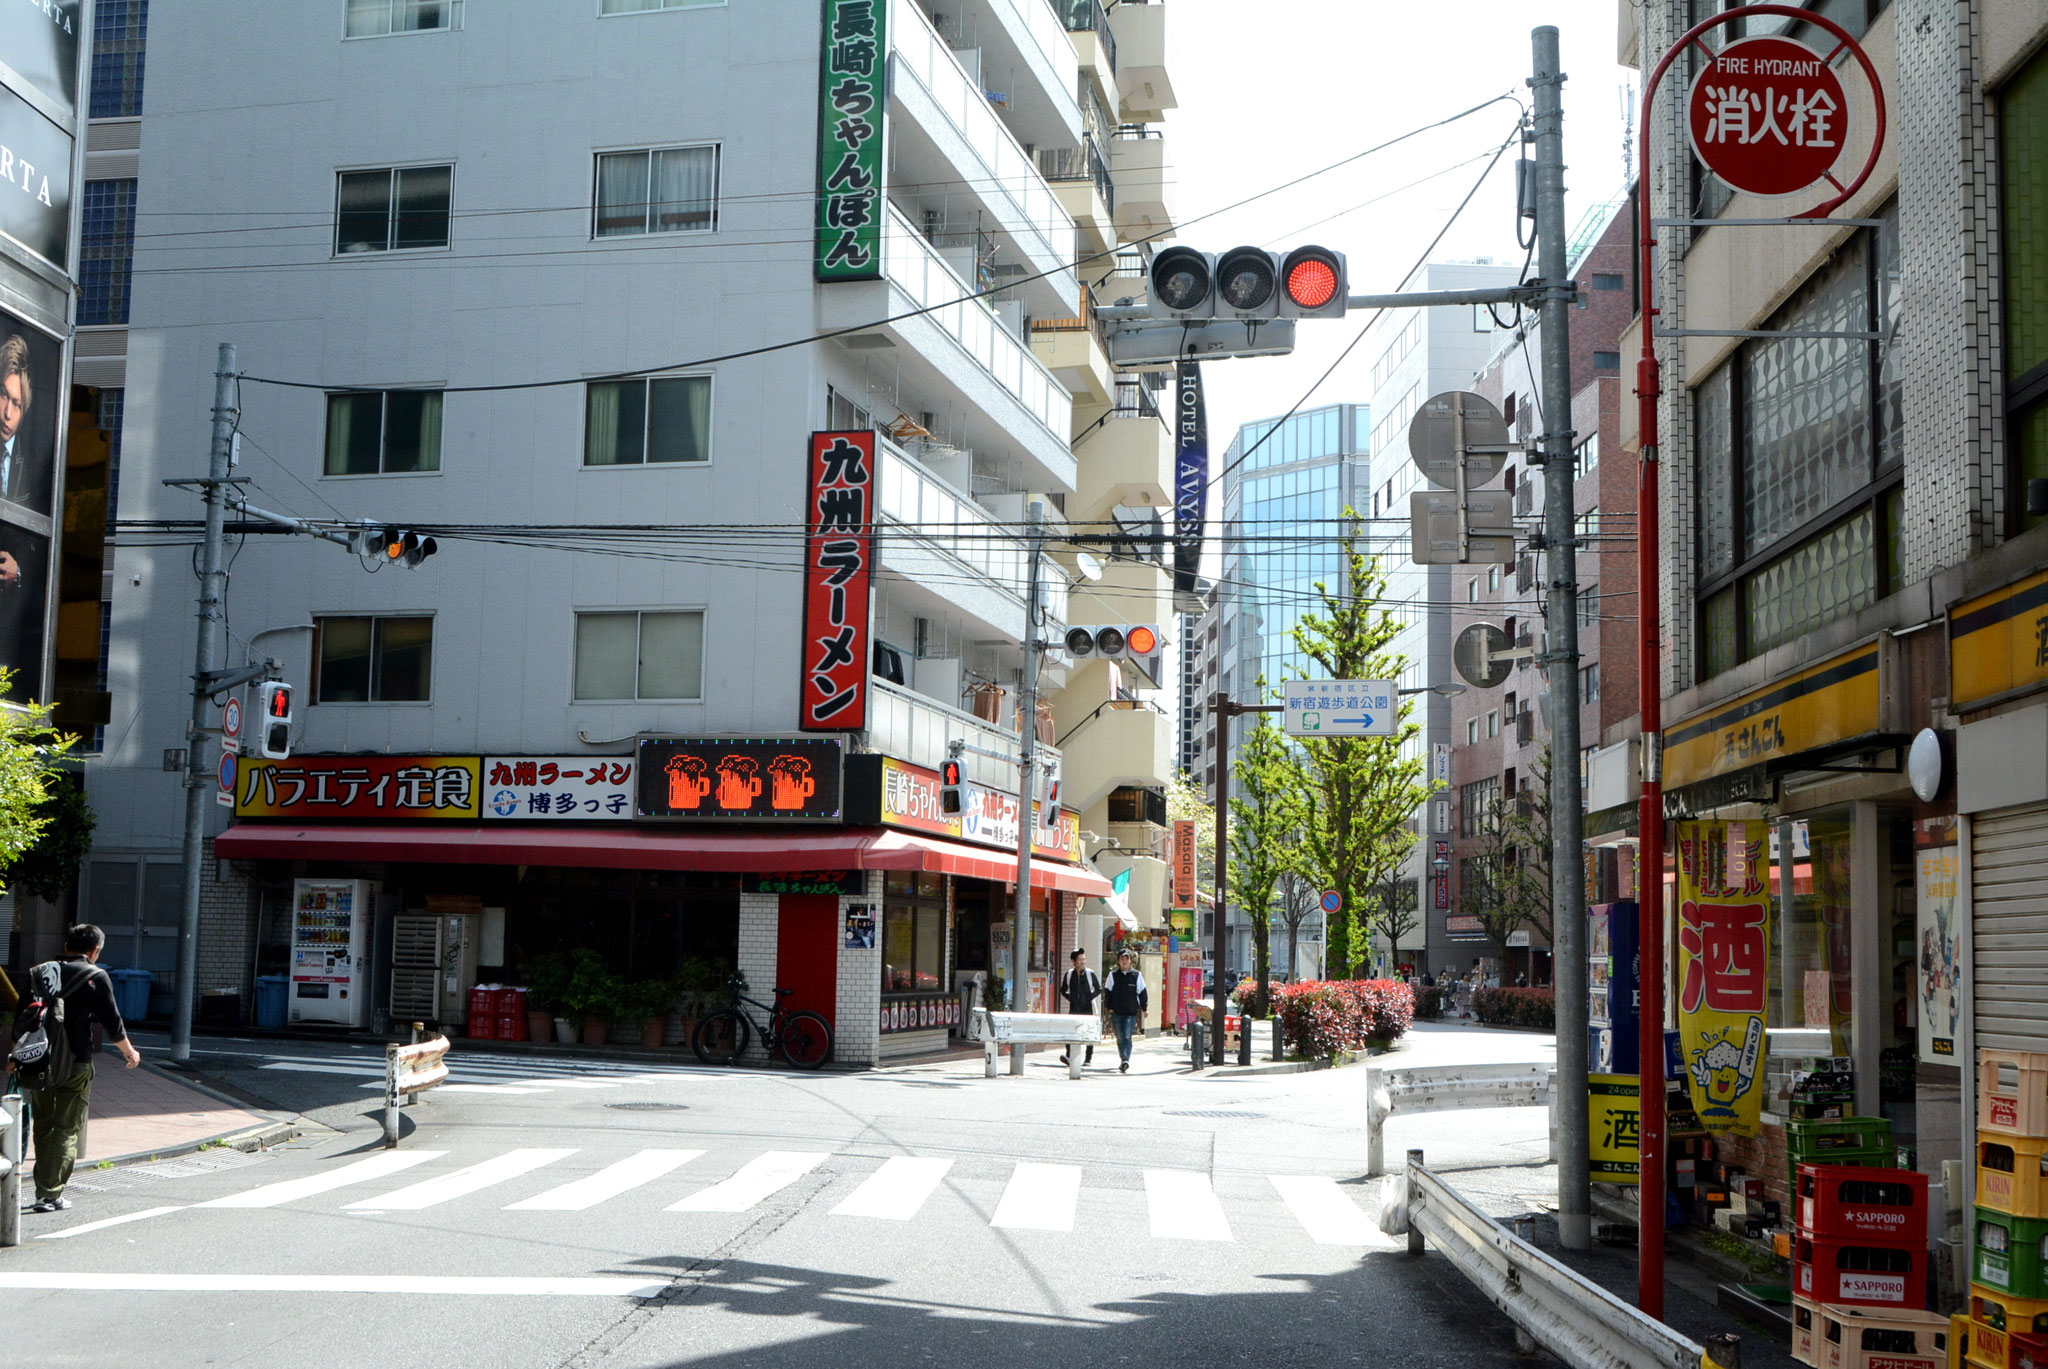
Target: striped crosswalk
{"x":696,"y":1184}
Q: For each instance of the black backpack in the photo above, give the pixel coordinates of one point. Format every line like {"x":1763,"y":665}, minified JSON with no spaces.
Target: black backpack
{"x":42,"y":1055}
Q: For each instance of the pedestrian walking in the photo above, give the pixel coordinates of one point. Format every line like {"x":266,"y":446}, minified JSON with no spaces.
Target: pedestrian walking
{"x":1082,"y":988}
{"x":1128,"y":999}
{"x":86,"y":995}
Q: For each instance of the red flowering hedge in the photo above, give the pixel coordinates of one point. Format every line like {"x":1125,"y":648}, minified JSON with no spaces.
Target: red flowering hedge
{"x":1516,"y":1008}
{"x":1323,"y":1016}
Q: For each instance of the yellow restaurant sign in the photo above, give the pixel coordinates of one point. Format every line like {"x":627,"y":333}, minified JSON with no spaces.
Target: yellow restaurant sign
{"x":1998,"y":642}
{"x":1823,"y":704}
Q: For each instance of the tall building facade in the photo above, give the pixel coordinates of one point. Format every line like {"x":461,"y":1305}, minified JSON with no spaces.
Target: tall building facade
{"x":511,"y":323}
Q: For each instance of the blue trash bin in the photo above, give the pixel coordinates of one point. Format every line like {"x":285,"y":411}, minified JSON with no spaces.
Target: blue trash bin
{"x":131,"y":992}
{"x":272,"y":997}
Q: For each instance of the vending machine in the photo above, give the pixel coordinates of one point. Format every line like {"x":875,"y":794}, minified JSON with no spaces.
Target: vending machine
{"x":1614,"y":940}
{"x":331,"y":951}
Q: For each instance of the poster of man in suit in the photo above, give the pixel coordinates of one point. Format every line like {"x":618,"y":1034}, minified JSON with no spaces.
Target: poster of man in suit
{"x":30,"y":410}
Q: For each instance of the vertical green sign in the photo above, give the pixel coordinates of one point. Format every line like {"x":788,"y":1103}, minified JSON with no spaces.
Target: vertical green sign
{"x":850,"y":97}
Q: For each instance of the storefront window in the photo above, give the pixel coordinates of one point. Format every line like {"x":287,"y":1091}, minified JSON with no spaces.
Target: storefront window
{"x":913,"y":933}
{"x":1809,"y":1009}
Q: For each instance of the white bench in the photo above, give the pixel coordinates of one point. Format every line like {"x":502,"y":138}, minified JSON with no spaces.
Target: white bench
{"x":1000,"y":1029}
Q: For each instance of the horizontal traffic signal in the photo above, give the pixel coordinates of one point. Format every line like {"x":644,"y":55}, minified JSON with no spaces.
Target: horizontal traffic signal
{"x":1248,"y":283}
{"x":409,"y":547}
{"x":1121,"y":641}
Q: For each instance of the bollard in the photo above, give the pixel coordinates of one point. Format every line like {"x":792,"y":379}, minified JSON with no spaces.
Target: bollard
{"x":1198,"y":1048}
{"x":1722,"y":1352}
{"x":1414,"y":1230}
{"x":391,"y":1096}
{"x":417,"y":1098}
{"x":1244,"y":1039}
{"x":10,"y":1170}
{"x":1279,"y":1043}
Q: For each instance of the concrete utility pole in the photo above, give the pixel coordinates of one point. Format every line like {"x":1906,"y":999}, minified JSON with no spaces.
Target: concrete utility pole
{"x":1027,"y":822}
{"x":1561,"y":661}
{"x":198,"y":773}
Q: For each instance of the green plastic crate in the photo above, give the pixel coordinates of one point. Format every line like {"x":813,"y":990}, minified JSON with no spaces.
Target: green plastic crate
{"x":1818,"y":1141}
{"x":2011,"y":1254}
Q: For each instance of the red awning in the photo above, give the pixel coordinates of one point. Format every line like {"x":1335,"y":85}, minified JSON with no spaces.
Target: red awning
{"x":644,"y":848}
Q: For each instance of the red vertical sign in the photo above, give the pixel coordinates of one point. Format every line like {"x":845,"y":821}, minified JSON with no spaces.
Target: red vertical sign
{"x":839,"y":564}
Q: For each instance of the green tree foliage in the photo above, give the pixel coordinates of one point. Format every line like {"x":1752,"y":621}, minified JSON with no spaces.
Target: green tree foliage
{"x":30,"y":751}
{"x":1507,"y":881}
{"x":1265,"y":827}
{"x":1362,"y":795}
{"x":1394,"y":912}
{"x":47,"y":868}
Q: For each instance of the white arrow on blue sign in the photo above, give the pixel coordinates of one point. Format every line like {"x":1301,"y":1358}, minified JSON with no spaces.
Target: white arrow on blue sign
{"x":1340,"y":708}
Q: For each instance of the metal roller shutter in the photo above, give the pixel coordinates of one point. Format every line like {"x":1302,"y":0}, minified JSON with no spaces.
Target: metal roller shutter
{"x":2009,"y":889}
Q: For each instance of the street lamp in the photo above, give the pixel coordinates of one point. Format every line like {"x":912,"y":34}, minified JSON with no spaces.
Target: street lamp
{"x":1448,"y":691}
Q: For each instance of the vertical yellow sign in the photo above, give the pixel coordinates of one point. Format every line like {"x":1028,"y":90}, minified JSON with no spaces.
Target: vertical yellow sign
{"x":1724,"y":963}
{"x":1615,"y":1107}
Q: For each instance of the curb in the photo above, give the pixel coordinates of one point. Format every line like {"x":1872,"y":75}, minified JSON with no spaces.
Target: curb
{"x":254,"y":1138}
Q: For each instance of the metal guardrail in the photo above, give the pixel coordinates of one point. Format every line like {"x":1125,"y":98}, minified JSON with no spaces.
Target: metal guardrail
{"x":1564,"y":1312}
{"x":1000,"y":1029}
{"x":1443,"y":1090}
{"x":10,"y":1169}
{"x":408,"y":1072}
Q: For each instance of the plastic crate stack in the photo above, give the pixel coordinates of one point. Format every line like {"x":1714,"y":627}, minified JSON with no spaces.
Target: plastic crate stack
{"x":2009,"y":1259}
{"x":497,"y":1014}
{"x":1859,"y":1270}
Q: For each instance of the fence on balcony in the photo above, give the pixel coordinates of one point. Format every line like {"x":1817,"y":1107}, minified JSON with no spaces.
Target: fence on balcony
{"x":916,"y":728}
{"x":940,"y":516}
{"x":1088,"y":16}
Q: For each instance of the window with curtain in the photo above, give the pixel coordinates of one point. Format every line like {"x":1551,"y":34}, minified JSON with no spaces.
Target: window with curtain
{"x":2023,"y":173}
{"x":372,"y":660}
{"x":913,"y":932}
{"x":657,"y":190}
{"x":392,"y":209}
{"x":649,"y":6}
{"x":1797,"y":457}
{"x":374,"y":18}
{"x":635,"y":655}
{"x":653,"y":419}
{"x":384,"y":432}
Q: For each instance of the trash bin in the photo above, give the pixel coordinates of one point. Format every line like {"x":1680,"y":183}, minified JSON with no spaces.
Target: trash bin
{"x":131,"y":993}
{"x":272,"y":998}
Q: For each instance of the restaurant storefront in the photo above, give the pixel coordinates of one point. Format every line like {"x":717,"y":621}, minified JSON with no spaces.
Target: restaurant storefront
{"x":780,"y":857}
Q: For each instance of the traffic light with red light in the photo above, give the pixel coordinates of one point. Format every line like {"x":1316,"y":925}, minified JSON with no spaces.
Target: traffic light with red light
{"x":1312,"y":283}
{"x":274,"y":721}
{"x":1248,"y":284}
{"x":1121,"y":641}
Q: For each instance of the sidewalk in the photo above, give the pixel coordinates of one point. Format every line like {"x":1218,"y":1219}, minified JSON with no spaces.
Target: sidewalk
{"x":147,"y":1112}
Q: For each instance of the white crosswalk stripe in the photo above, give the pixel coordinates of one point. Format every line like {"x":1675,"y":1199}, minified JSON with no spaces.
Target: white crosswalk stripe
{"x":1040,"y":1198}
{"x":758,"y":1179}
{"x":362,"y":1171}
{"x":1182,"y":1206}
{"x":609,"y":1182}
{"x":1326,"y":1212}
{"x":430,"y":1192}
{"x":897,"y":1190}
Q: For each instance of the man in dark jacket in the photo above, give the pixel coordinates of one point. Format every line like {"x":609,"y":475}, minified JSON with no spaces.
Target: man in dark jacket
{"x":1082,"y":988}
{"x":60,"y":1109}
{"x":1128,"y":998}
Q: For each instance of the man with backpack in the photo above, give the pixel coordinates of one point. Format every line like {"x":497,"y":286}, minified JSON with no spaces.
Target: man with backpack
{"x":1082,"y":988}
{"x":52,"y":1054}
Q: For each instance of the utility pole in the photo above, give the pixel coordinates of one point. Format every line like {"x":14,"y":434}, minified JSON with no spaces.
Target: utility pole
{"x":1561,"y":661}
{"x":206,"y":663}
{"x":1027,"y":818}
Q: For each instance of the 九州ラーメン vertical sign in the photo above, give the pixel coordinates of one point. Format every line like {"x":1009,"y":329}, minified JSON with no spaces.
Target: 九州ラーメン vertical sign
{"x":839,"y":564}
{"x":851,"y":92}
{"x":1190,"y":474}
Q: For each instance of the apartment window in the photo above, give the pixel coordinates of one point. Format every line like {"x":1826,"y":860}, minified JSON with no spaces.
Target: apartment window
{"x":1475,"y":801}
{"x":640,"y":655}
{"x":384,"y":432}
{"x":373,"y":18}
{"x":1586,"y":457}
{"x":1589,"y":606}
{"x":657,"y":190}
{"x":2023,"y":152}
{"x":120,"y":30}
{"x":1471,"y":731}
{"x":1607,"y":361}
{"x":1796,"y":453}
{"x":1589,"y":683}
{"x":1472,"y":590}
{"x":1587,"y":525}
{"x":372,"y":660}
{"x":648,"y":6}
{"x":1607,"y":280}
{"x":1492,"y":579}
{"x":392,"y":209}
{"x":106,"y":251}
{"x":1493,"y":722}
{"x":648,"y":421}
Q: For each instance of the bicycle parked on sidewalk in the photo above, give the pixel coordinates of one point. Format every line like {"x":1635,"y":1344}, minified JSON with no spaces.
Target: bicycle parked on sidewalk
{"x":802,"y":1038}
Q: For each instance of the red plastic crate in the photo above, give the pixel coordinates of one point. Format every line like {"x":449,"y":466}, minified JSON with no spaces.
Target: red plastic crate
{"x":2012,"y":1092}
{"x":511,"y":1027}
{"x":1856,"y":1203}
{"x":511,"y":1001}
{"x":482,"y":1003}
{"x":1860,"y":1273}
{"x":483,"y":1028}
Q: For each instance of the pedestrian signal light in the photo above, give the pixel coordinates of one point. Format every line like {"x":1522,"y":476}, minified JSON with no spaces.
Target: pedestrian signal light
{"x":1248,"y":284}
{"x":951,"y":793}
{"x":274,"y":721}
{"x":1183,"y":284}
{"x":1312,"y":283}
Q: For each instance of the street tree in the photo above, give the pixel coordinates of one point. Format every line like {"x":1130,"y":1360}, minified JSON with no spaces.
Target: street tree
{"x":1265,"y":825}
{"x":30,"y":753}
{"x":1395,"y":912}
{"x":1300,"y":900}
{"x":1507,"y":880}
{"x":1362,"y":794}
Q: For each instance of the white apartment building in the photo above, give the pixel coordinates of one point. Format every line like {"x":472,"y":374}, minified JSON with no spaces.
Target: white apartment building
{"x":533,"y":271}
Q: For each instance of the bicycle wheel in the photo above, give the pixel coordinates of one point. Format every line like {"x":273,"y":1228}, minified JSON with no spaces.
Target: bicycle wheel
{"x":722,"y":1037}
{"x":806,"y":1040}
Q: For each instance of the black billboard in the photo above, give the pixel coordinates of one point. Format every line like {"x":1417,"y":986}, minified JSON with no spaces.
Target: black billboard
{"x":35,"y":178}
{"x":728,"y":779}
{"x":39,"y":39}
{"x":32,"y":405}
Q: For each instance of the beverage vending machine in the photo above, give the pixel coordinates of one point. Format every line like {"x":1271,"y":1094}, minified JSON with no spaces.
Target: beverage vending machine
{"x":1614,"y":940}
{"x":331,"y":951}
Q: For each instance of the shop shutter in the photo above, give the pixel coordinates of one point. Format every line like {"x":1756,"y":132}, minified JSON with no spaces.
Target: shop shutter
{"x":2009,"y":890}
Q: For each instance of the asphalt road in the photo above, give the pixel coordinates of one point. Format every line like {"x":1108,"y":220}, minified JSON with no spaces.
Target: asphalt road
{"x":578,"y":1213}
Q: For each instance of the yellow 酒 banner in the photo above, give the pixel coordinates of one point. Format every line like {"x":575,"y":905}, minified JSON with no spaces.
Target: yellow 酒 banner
{"x":1615,"y":1128}
{"x":1724,"y":962}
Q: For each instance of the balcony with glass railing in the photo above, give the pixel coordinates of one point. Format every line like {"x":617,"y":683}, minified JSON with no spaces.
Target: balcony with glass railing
{"x":1089,"y":30}
{"x":949,"y":137}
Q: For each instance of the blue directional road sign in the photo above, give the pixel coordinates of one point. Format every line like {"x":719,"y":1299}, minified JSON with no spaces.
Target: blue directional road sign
{"x":1340,"y":708}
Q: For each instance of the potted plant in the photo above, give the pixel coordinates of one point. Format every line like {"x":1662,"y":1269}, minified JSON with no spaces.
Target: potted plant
{"x":592,"y":995}
{"x":647,"y":1002}
{"x":696,"y":982}
{"x":547,"y":979}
